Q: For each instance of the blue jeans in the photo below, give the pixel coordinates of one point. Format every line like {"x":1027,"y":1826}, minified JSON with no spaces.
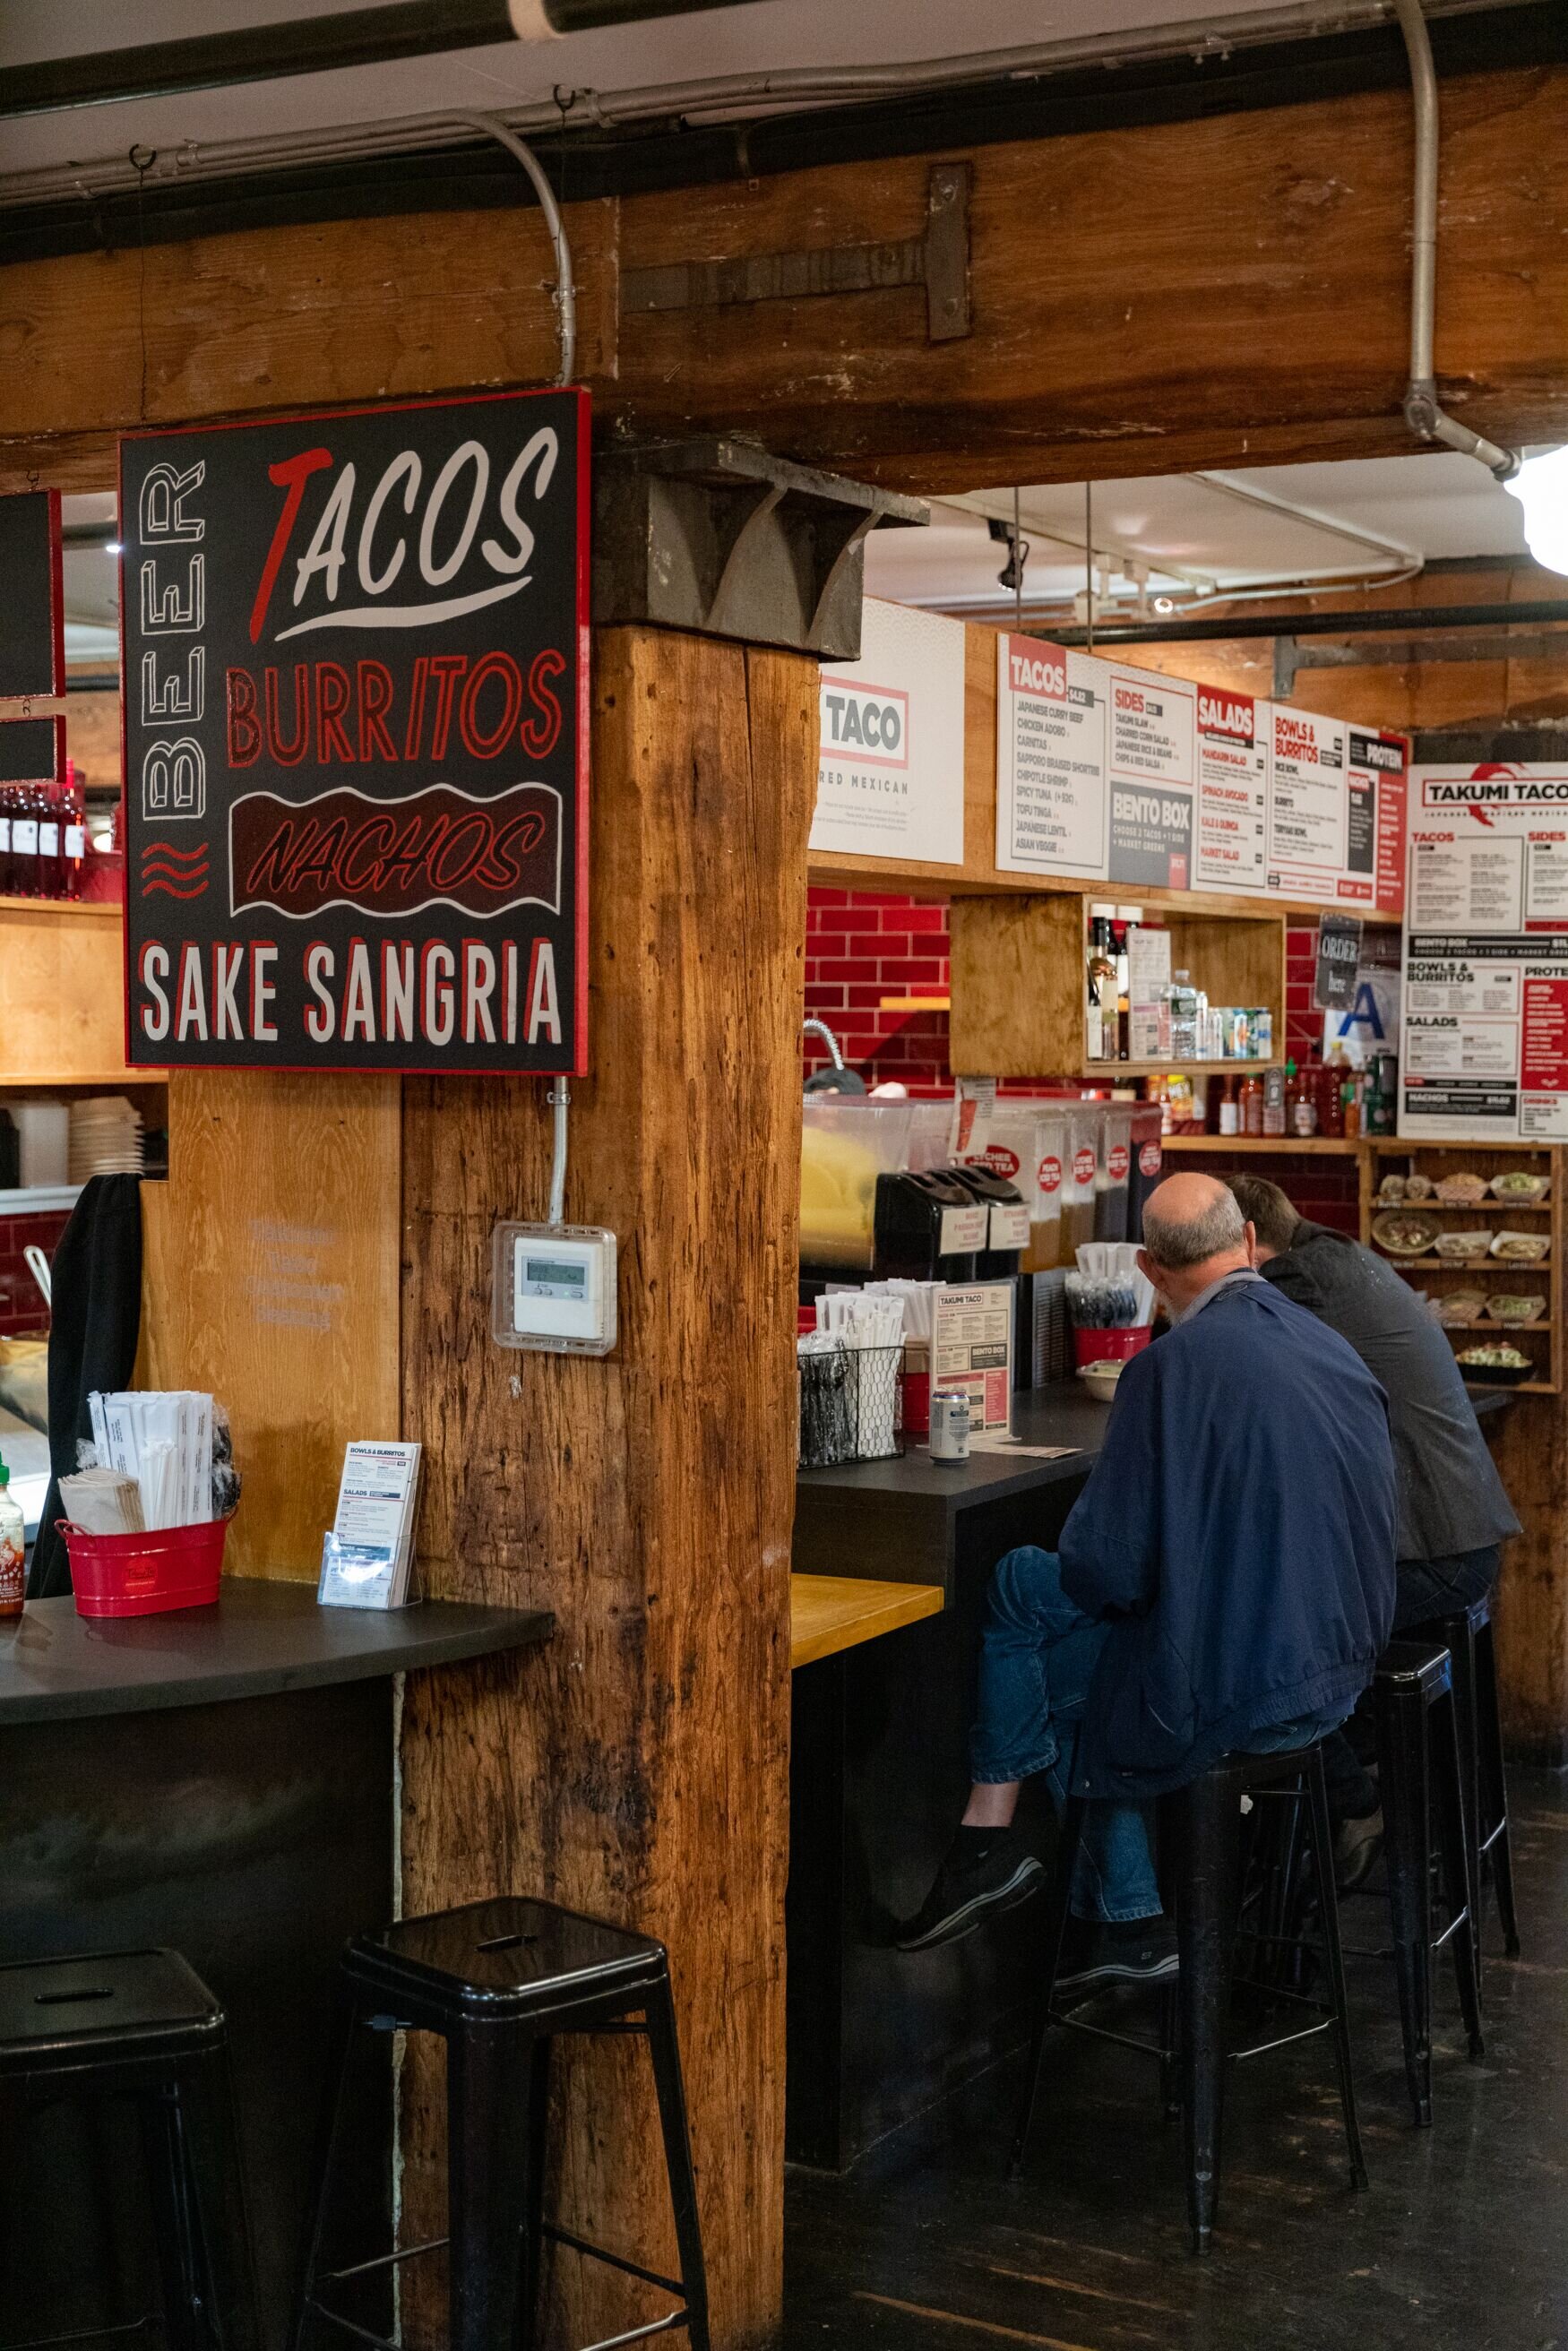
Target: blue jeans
{"x":1038,"y":1656}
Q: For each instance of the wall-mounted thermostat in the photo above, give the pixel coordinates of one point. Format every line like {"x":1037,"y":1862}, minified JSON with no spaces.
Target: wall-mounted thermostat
{"x":554,"y":1288}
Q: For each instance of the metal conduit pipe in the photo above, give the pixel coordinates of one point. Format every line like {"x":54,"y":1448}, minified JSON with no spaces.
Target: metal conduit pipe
{"x":566,"y":284}
{"x":1423,"y":411}
{"x":559,"y":1095}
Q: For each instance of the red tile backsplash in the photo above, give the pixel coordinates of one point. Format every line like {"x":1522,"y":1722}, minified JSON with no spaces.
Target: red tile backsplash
{"x":23,"y":1313}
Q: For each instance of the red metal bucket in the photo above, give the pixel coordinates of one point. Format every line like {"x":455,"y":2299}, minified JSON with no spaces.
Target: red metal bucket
{"x":138,"y":1575}
{"x":1109,"y":1346}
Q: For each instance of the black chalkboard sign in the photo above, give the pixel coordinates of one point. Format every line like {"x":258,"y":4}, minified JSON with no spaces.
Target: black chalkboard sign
{"x":32,"y":598}
{"x":355,"y":728}
{"x":33,"y":751}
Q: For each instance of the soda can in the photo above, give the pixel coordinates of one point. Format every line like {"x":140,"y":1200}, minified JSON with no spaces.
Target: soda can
{"x":949,"y":1426}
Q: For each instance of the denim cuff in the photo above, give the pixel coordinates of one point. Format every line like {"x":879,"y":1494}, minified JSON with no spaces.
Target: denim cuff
{"x":991,"y":1771}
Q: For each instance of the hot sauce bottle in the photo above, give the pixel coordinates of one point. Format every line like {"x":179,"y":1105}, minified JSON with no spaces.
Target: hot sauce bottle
{"x":13,"y":1551}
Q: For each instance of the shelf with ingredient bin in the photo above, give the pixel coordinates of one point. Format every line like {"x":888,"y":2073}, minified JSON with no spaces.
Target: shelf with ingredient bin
{"x":1314,"y":1147}
{"x":1020,"y":998}
{"x":1540,"y":1340}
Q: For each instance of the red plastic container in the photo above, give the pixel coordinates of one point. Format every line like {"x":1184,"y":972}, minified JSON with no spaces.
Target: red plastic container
{"x":139,"y":1575}
{"x":1109,"y":1346}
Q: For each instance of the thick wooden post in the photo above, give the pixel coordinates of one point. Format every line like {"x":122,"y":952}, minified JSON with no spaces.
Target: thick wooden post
{"x":638,"y":1766}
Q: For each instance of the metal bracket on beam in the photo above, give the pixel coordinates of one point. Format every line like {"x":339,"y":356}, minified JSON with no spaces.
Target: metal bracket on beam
{"x":1416,"y":650}
{"x":938,"y":260}
{"x":721,"y":539}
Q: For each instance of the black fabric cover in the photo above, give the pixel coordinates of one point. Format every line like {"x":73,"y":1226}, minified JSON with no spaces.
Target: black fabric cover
{"x":94,"y":1325}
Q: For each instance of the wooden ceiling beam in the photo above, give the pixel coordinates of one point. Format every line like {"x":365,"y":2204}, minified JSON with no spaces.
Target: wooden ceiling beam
{"x":1147,"y":300}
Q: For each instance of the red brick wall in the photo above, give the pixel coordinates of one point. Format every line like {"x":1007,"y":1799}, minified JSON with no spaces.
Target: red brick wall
{"x":860,"y":949}
{"x":21,"y":1309}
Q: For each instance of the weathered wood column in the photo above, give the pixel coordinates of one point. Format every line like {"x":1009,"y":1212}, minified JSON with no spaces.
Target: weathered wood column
{"x":638,"y":1766}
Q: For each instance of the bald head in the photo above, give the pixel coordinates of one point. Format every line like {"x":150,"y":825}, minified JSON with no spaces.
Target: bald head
{"x":1193,"y":1233}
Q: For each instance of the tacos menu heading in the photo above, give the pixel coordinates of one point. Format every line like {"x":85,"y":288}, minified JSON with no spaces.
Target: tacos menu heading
{"x":354,"y":674}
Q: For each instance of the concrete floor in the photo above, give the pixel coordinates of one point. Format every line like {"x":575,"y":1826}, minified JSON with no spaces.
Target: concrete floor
{"x":1461,"y":2243}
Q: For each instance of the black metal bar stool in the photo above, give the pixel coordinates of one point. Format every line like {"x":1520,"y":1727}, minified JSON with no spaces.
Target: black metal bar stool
{"x":1419,"y":1776}
{"x":141,"y":2026}
{"x":1201,"y":1854}
{"x":496,"y":1981}
{"x":1467,"y":1634}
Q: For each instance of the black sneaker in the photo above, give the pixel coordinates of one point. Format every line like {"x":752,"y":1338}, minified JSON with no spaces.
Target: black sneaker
{"x":968,"y":1889}
{"x":1142,"y":1950}
{"x":1357,"y":1846}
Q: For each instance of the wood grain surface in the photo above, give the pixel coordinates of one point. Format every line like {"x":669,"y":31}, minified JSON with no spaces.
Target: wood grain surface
{"x":830,"y":1612}
{"x":636,"y":1768}
{"x":1225,"y":291}
{"x":62,"y":995}
{"x":271,"y":1279}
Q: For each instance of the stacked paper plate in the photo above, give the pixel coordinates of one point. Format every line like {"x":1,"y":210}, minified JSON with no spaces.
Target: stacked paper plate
{"x":105,"y":1138}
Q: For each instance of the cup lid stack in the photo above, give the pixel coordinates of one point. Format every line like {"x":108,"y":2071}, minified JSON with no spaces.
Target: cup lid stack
{"x":105,"y":1138}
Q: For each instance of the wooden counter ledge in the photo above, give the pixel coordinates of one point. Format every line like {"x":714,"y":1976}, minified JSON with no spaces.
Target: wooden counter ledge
{"x":829,"y":1612}
{"x":261,"y":1639}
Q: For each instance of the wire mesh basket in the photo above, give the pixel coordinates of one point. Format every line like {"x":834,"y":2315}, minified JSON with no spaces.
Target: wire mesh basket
{"x":851,"y":1402}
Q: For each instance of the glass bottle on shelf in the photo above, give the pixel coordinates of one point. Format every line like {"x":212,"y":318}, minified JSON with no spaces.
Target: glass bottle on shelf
{"x":1250,"y":1104}
{"x":1274,"y":1100}
{"x":73,"y":833}
{"x":1301,"y":1102}
{"x":1182,"y":999}
{"x":1330,"y":1104}
{"x":1101,"y":985}
{"x":1229,"y":1109}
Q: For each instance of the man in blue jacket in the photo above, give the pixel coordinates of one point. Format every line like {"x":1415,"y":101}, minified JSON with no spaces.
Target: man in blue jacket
{"x":1224,"y":1585}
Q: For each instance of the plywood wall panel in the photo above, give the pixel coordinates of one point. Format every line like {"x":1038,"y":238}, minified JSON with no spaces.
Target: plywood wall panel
{"x":272,"y":1281}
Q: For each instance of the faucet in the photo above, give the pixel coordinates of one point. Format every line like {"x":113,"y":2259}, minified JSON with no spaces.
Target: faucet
{"x":813,"y":1027}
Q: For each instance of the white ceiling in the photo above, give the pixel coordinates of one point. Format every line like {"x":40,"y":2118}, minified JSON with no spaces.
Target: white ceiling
{"x":1421,"y":508}
{"x":1263,"y":528}
{"x":769,"y":35}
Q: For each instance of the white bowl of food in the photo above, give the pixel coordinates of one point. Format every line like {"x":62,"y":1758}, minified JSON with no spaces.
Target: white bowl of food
{"x":1101,"y":1379}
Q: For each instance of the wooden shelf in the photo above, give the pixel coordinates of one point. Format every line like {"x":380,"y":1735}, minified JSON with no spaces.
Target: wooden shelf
{"x":87,"y":909}
{"x":1171,"y":1068}
{"x":1459,"y":1207}
{"x":1471,"y":1265}
{"x":77,"y":1078}
{"x":829,"y":1612}
{"x":1485,"y":1323}
{"x":1338,"y":1146}
{"x":914,"y":1004}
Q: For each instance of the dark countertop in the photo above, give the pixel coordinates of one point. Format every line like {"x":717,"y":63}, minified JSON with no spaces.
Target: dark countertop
{"x":260,"y":1639}
{"x":900,"y":1520}
{"x":903,"y":1521}
{"x":1062,"y":1413}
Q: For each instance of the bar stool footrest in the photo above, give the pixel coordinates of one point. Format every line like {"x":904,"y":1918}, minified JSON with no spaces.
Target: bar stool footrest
{"x":558,"y":2236}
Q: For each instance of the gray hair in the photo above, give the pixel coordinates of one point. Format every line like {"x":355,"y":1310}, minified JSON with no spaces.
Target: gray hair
{"x":1177,"y":1246}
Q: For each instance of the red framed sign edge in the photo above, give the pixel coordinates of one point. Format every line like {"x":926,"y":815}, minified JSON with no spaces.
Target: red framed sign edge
{"x":584,"y":494}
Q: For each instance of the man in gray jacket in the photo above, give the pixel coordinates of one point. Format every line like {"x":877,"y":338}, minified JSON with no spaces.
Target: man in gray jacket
{"x":1454,"y":1515}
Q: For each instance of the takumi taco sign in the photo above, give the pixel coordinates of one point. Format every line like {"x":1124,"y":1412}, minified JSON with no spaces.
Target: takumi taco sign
{"x":355,"y":738}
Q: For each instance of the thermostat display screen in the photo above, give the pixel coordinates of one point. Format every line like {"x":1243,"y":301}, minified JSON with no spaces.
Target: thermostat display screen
{"x":548,"y":1278}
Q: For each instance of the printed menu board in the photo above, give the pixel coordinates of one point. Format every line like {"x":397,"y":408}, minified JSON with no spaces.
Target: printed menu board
{"x":1150,"y":759}
{"x":1308,"y":821}
{"x":890,"y":762}
{"x":1484,"y":1029}
{"x":1232,"y":845}
{"x":1050,"y":759}
{"x":1112,"y":774}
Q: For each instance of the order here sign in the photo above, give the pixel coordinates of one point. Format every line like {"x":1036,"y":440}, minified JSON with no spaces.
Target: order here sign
{"x":355,"y":738}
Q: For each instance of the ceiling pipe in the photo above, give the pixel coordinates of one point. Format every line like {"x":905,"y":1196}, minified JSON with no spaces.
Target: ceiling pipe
{"x":566,"y":283}
{"x":1409,"y":620}
{"x":1424,"y":411}
{"x":324,"y":43}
